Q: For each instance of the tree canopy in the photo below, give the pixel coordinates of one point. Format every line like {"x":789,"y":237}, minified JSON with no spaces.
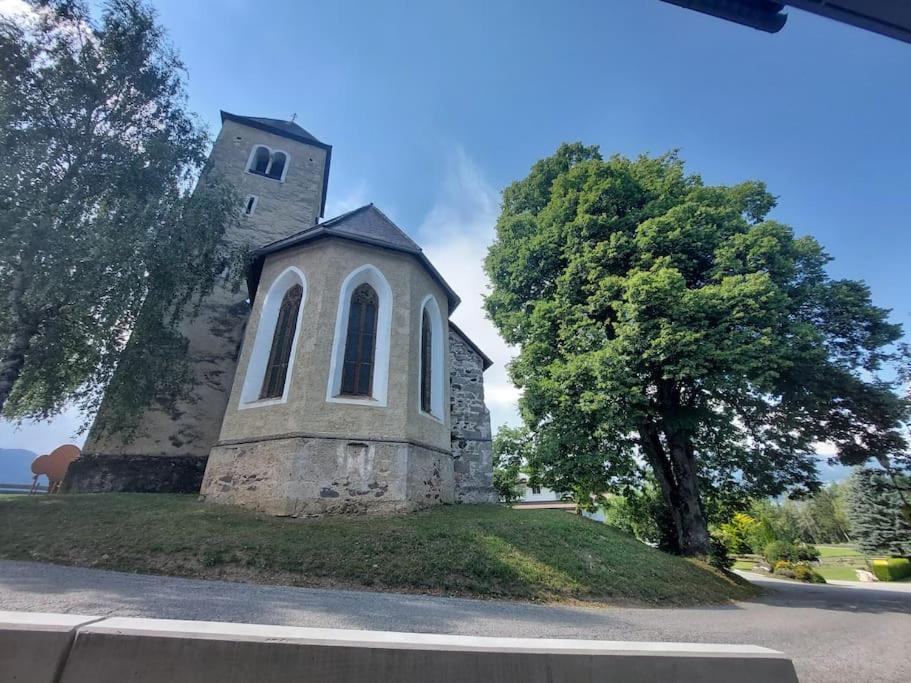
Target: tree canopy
{"x":98,"y":218}
{"x":671,"y":324}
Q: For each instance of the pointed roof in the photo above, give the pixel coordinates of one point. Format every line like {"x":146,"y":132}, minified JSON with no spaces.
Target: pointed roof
{"x":485,"y":359}
{"x":287,"y":129}
{"x":367,"y":225}
{"x":370,"y":223}
{"x":290,"y":130}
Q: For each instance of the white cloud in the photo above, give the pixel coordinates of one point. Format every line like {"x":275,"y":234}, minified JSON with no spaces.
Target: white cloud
{"x":455,"y":235}
{"x":355,"y":197}
{"x":825,"y":449}
{"x":14,"y":7}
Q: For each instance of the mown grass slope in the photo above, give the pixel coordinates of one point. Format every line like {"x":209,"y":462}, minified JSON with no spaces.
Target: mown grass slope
{"x":480,"y":551}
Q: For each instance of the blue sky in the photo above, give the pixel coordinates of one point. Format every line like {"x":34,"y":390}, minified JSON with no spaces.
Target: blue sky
{"x":432,"y":109}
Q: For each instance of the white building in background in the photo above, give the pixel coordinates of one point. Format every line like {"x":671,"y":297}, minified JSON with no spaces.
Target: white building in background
{"x":543,"y":498}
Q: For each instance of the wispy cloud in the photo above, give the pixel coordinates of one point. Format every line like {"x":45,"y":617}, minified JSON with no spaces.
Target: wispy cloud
{"x":455,"y":235}
{"x":14,"y":7}
{"x":352,"y":198}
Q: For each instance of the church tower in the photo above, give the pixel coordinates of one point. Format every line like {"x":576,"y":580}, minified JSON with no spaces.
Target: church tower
{"x":281,"y":173}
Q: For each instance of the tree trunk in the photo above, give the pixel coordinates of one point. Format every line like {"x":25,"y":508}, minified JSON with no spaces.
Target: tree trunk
{"x":675,"y":470}
{"x":654,"y":451}
{"x":694,"y":529}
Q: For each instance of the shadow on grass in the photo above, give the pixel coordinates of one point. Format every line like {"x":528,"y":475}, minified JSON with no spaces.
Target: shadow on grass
{"x":476,"y":551}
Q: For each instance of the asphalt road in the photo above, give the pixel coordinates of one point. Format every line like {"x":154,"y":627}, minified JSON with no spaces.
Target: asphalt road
{"x":833,"y":633}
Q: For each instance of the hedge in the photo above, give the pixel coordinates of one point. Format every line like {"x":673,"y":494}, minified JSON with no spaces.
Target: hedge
{"x":892,"y":568}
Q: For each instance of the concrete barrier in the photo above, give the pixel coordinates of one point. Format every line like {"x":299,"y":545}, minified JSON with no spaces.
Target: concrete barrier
{"x":41,"y":649}
{"x":34,"y":645}
{"x":151,"y":650}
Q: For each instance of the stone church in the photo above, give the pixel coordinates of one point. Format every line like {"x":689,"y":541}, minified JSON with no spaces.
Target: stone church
{"x":335,"y":383}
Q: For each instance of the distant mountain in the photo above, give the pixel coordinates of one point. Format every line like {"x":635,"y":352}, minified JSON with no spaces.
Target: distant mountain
{"x":16,"y":465}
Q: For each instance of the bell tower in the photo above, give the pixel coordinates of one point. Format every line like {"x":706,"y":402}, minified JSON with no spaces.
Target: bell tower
{"x":281,"y":173}
{"x":280,"y":170}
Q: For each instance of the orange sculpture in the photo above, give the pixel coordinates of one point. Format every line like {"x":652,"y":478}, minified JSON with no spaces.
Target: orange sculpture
{"x":54,"y":465}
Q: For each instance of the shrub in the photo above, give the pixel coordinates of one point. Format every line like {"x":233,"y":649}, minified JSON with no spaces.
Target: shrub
{"x":892,"y":568}
{"x":782,"y":564}
{"x":792,"y":552}
{"x":643,"y":513}
{"x":803,"y":572}
{"x":718,"y":554}
{"x":807,"y":553}
{"x":505,"y":483}
{"x":778,"y":550}
{"x":785,"y":572}
{"x":737,"y":533}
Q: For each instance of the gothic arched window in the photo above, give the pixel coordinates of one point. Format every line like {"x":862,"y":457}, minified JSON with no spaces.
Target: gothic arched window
{"x":426,"y":361}
{"x":360,"y":342}
{"x":282,"y":340}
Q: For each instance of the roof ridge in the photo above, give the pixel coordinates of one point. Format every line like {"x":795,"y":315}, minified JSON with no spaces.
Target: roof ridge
{"x":341,"y":216}
{"x":394,"y":225}
{"x":365,"y":224}
{"x":278,"y":126}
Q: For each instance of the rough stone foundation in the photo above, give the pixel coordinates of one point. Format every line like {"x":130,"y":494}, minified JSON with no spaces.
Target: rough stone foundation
{"x":301,"y":475}
{"x":95,"y":472}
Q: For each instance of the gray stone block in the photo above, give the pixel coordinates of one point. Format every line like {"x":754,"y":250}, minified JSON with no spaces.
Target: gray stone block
{"x":34,"y":645}
{"x":151,"y":650}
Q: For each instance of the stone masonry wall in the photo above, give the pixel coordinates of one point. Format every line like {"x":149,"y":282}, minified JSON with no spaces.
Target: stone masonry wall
{"x":305,"y":475}
{"x":187,"y":431}
{"x":472,"y":449}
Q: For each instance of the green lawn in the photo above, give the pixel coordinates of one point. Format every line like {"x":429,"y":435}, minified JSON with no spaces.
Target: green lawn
{"x":836,"y":562}
{"x":841,"y":550}
{"x":484,"y":551}
{"x":838,"y":572}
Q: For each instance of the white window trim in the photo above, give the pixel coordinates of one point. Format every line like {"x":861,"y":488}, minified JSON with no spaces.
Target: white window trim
{"x":272,"y":153}
{"x":262,"y":344}
{"x":437,"y":342}
{"x":371,"y":275}
{"x":249,"y":166}
{"x":287,"y":163}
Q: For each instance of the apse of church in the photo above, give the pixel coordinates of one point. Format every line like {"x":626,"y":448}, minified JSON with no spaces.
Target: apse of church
{"x":336,"y":383}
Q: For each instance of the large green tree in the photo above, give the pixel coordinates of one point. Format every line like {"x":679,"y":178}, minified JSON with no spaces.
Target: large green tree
{"x":879,"y":516}
{"x":98,"y":218}
{"x":668,"y":322}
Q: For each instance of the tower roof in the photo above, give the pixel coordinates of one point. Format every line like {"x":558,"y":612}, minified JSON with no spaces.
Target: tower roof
{"x":290,"y":130}
{"x":367,"y":225}
{"x":287,"y":129}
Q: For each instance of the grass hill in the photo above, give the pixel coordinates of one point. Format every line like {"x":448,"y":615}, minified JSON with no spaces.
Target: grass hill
{"x":16,"y":465}
{"x":478,"y":551}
